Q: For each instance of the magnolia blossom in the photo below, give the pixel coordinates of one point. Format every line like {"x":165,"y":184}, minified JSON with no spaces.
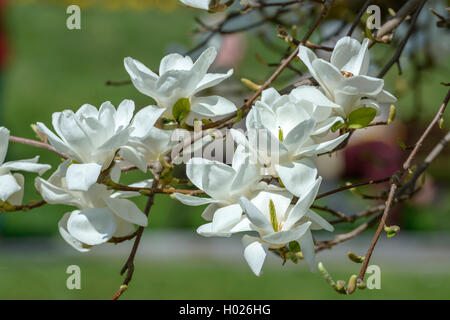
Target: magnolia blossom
{"x":91,"y":138}
{"x":280,"y":141}
{"x":344,"y":79}
{"x":101,"y":215}
{"x":224,"y":185}
{"x":277,"y":223}
{"x":277,"y":111}
{"x":146,"y":142}
{"x":180,"y":78}
{"x":11,"y":185}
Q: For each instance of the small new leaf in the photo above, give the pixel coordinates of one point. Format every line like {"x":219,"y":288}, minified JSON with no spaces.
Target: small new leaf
{"x":401,"y":143}
{"x":361,"y":117}
{"x":355,"y":258}
{"x":250,"y":84}
{"x":181,"y":109}
{"x":391,"y":230}
{"x":294,"y":246}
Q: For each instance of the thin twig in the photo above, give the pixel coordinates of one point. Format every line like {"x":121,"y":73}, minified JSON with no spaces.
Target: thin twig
{"x":398,"y":52}
{"x":38,"y":144}
{"x":395,"y":184}
{"x":129,"y":265}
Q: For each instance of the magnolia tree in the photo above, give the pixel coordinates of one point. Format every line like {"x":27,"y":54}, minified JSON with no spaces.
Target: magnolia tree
{"x":266,"y":193}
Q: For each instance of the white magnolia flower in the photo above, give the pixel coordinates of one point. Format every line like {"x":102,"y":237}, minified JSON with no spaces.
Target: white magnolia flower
{"x":277,"y":223}
{"x":11,"y":185}
{"x":280,"y":139}
{"x":209,"y":5}
{"x":344,"y":79}
{"x":286,"y":111}
{"x":101,"y":214}
{"x":146,"y":142}
{"x":91,"y":138}
{"x":180,"y":78}
{"x":224,"y":185}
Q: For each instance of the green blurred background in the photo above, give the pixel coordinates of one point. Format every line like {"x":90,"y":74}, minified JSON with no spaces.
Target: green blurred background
{"x":52,"y":68}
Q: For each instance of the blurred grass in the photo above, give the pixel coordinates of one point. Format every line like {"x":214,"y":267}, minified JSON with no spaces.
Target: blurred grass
{"x":38,"y":277}
{"x":53,"y":68}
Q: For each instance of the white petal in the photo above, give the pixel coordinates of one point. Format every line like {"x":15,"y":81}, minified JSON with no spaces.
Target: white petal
{"x":323,"y":146}
{"x":81,"y":176}
{"x":56,"y":195}
{"x":193,"y":201}
{"x":205,"y":61}
{"x":317,"y":219}
{"x":361,"y":85}
{"x":124,"y":228}
{"x":212,"y":79}
{"x":255,"y":255}
{"x":314,"y":95}
{"x":67,"y":127}
{"x":8,"y":186}
{"x":299,"y":134}
{"x":210,"y":210}
{"x":206,"y":230}
{"x":324,"y":127}
{"x":308,"y":57}
{"x":212,"y":106}
{"x":330,"y":77}
{"x":281,"y":200}
{"x":303,"y":204}
{"x":269,"y":96}
{"x":247,"y":175}
{"x":198,"y":4}
{"x":112,"y":144}
{"x":133,"y":156}
{"x":16,"y":198}
{"x":144,"y":120}
{"x":175,"y":61}
{"x":127,"y":210}
{"x":226,"y":218}
{"x":54,"y":140}
{"x":142,"y":77}
{"x":242,"y":226}
{"x":255,"y":215}
{"x":92,"y":226}
{"x":211,"y":176}
{"x":350,"y":56}
{"x":130,"y":194}
{"x":307,"y":246}
{"x":385,"y":97}
{"x":287,"y":236}
{"x":28,"y":165}
{"x":62,"y":227}
{"x":124,"y":113}
{"x":298,"y":175}
{"x":4,"y":141}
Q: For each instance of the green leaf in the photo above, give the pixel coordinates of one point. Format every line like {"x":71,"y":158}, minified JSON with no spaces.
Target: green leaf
{"x":181,"y":109}
{"x":273,"y":216}
{"x":337,"y":125}
{"x":361,"y":117}
{"x":294,"y":246}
